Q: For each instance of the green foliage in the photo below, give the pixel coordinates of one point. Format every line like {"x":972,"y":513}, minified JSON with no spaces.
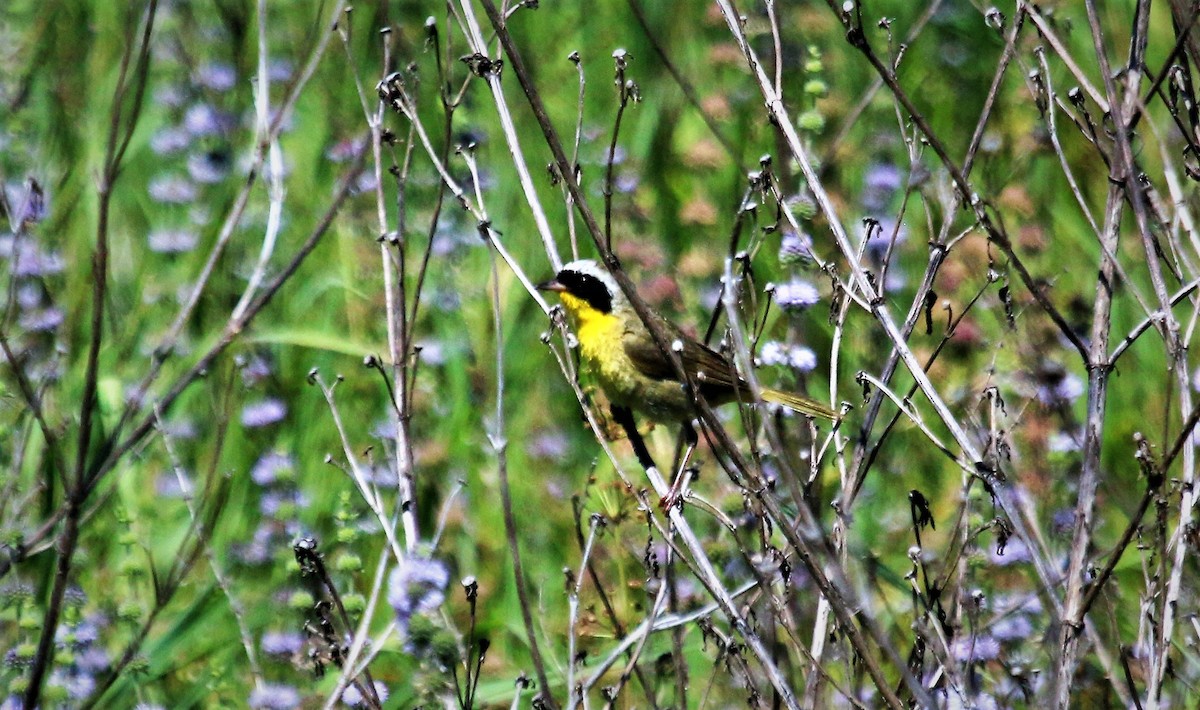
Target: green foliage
{"x":184,"y":589}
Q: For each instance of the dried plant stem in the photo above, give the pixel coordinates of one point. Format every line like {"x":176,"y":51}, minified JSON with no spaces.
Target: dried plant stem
{"x":499,"y":443}
{"x":475,"y":41}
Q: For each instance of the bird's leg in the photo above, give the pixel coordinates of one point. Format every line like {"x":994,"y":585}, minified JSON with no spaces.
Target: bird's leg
{"x":624,"y":417}
{"x":690,"y":438}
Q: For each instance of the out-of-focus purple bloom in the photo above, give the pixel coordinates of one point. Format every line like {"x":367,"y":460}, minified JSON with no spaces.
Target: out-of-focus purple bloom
{"x":627,"y":182}
{"x":273,"y":502}
{"x":548,"y":444}
{"x":43,"y":320}
{"x":976,"y":649}
{"x":263,"y":413}
{"x":171,"y":241}
{"x":28,"y":259}
{"x":880,"y":182}
{"x":1063,"y":521}
{"x":1014,"y":627}
{"x":383,"y":475}
{"x":281,"y":643}
{"x":773,"y":352}
{"x":344,"y":150}
{"x":29,"y":296}
{"x":274,"y":696}
{"x":365,"y":183}
{"x":1065,"y":390}
{"x":796,"y":295}
{"x":206,"y":120}
{"x":289,"y":120}
{"x":168,"y":485}
{"x":279,"y":70}
{"x":170,"y":140}
{"x":172,"y":190}
{"x":353,"y":697}
{"x":209,"y":167}
{"x":795,"y":248}
{"x":258,"y":550}
{"x":217,"y":76}
{"x":77,"y":685}
{"x":802,"y":358}
{"x":1065,"y":442}
{"x":28,"y":201}
{"x":179,"y":429}
{"x":417,"y":586}
{"x":266,"y":470}
{"x":255,"y":370}
{"x":170,"y":95}
{"x":1014,"y":552}
{"x":879,"y":234}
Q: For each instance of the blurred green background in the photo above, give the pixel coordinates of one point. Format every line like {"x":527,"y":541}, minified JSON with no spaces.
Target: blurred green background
{"x":678,"y":190}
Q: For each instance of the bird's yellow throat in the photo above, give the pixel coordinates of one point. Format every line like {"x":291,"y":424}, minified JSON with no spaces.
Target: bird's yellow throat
{"x":598,"y":332}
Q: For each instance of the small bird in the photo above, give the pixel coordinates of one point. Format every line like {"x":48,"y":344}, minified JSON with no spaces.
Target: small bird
{"x":618,"y":349}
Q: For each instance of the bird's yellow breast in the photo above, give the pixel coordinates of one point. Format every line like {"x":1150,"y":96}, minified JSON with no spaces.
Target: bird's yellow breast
{"x":600,"y":344}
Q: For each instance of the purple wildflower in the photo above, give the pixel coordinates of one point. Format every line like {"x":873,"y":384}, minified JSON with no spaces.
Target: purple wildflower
{"x":795,"y":248}
{"x":28,"y":259}
{"x":263,"y":413}
{"x":172,"y":190}
{"x":976,"y":649}
{"x":217,"y":76}
{"x":44,"y":320}
{"x":880,"y":182}
{"x":281,"y":643}
{"x":268,"y":467}
{"x":343,"y":150}
{"x":209,"y":167}
{"x":206,"y":120}
{"x":169,"y":140}
{"x":171,"y":241}
{"x":796,"y":295}
{"x":274,"y":696}
{"x":353,"y":697}
{"x":417,"y":586}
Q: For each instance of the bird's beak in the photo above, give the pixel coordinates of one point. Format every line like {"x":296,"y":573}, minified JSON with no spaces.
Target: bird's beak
{"x":551,"y":285}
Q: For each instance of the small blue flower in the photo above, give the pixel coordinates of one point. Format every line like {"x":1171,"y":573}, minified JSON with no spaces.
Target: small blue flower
{"x":171,"y":241}
{"x":266,"y":470}
{"x":217,"y":76}
{"x":795,"y":248}
{"x":976,"y":649}
{"x":208,"y":167}
{"x":205,"y":120}
{"x":1065,"y":390}
{"x":417,"y":586}
{"x":796,"y":295}
{"x":169,"y":140}
{"x":44,"y":320}
{"x":172,"y":190}
{"x":773,"y":353}
{"x":263,"y":413}
{"x":281,"y":643}
{"x":28,"y":259}
{"x":274,"y":696}
{"x":802,"y":358}
{"x":353,"y":697}
{"x":880,"y":182}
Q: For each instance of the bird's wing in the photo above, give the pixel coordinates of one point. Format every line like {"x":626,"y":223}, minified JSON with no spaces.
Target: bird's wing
{"x":696,"y":357}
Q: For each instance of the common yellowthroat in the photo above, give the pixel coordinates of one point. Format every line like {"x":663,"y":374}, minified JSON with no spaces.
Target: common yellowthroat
{"x":619,"y":351}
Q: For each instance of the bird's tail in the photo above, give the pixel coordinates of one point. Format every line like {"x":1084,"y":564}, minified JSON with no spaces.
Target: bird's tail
{"x":799,"y":403}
